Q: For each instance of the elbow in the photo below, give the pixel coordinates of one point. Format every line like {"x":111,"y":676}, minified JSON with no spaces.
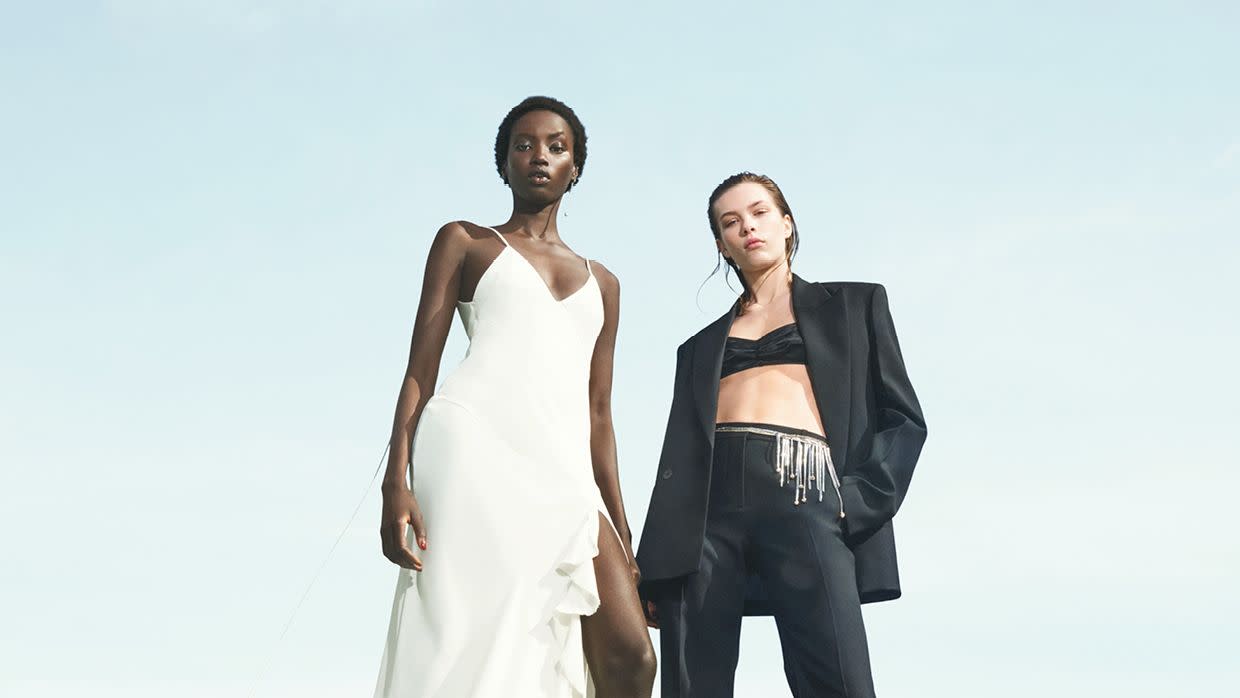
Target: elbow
{"x":420,"y":384}
{"x":418,"y":376}
{"x":917,"y":417}
{"x":919,"y":421}
{"x":600,"y":414}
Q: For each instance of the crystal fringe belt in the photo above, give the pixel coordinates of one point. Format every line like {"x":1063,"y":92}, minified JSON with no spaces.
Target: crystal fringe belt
{"x":804,"y":461}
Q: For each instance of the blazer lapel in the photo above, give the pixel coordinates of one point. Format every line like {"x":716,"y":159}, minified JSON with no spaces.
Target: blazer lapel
{"x":822,"y":318}
{"x":707,"y":365}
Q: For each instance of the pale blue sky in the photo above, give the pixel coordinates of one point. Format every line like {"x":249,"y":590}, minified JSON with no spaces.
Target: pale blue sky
{"x":214,"y":216}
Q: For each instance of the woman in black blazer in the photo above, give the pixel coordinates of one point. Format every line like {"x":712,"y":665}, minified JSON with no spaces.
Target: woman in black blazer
{"x":791,"y":442}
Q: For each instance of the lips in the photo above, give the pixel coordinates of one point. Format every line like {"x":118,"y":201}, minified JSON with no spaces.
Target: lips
{"x":540,"y":177}
{"x":754,"y":243}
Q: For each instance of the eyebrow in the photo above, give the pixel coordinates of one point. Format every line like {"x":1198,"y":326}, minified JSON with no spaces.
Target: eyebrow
{"x":759,"y":201}
{"x":522,"y":134}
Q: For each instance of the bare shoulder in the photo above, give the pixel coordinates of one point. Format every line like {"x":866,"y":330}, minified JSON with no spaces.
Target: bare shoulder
{"x":456,"y":238}
{"x":451,"y":237}
{"x":607,"y":281}
{"x":463,"y":232}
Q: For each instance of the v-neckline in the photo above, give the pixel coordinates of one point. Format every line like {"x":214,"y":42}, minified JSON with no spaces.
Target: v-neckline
{"x":534,"y":270}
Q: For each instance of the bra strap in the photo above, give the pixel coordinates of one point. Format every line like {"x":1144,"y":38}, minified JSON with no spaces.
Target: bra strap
{"x":501,"y":237}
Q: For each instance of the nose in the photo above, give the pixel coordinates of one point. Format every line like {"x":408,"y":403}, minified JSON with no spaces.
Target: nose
{"x":538,"y":155}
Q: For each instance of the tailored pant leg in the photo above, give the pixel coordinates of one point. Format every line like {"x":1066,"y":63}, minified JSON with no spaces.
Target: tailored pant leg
{"x":809,"y":572}
{"x":699,"y":639}
{"x":700,"y":636}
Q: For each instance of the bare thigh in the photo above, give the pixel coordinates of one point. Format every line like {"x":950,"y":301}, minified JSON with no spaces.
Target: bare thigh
{"x":619,"y":624}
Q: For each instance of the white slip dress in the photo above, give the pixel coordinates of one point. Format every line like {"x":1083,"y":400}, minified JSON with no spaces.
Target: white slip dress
{"x":502,"y":471}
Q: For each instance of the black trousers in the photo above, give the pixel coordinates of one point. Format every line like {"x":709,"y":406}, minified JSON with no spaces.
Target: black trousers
{"x":754,"y":528}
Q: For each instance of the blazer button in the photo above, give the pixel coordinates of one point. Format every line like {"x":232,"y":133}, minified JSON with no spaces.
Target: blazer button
{"x":667,"y":474}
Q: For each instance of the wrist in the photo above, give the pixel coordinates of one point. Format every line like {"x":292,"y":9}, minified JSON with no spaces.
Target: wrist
{"x":621,"y":528}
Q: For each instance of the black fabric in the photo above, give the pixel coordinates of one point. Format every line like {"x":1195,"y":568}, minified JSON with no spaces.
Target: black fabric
{"x":869,"y":411}
{"x":782,"y":345}
{"x":754,"y":530}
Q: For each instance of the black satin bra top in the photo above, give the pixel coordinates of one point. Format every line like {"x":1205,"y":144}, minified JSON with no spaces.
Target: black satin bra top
{"x":782,"y":345}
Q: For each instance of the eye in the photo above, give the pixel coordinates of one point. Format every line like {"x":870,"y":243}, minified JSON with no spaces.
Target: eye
{"x":729,"y":222}
{"x":521,"y":146}
{"x":558,"y":148}
{"x":759,"y":212}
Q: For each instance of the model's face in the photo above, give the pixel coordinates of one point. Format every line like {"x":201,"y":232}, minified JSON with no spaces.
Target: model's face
{"x":752,"y":231}
{"x":540,"y":157}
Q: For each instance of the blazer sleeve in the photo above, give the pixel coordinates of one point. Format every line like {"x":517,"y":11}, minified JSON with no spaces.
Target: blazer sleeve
{"x":657,"y":551}
{"x":680,"y":416}
{"x":873,"y":490}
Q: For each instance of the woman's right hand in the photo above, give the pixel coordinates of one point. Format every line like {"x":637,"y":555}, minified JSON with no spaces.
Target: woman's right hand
{"x":400,"y":509}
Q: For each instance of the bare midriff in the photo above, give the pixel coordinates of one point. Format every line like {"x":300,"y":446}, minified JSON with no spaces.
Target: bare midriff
{"x":780,"y":394}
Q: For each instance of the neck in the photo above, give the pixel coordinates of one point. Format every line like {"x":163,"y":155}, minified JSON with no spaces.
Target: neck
{"x":770,"y":284}
{"x":536,"y":220}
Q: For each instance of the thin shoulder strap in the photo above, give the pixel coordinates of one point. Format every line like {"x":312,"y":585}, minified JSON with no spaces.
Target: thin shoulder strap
{"x":589,"y":269}
{"x":501,"y":237}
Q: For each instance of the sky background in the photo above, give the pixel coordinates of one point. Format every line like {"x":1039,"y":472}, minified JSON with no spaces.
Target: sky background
{"x":214,"y":216}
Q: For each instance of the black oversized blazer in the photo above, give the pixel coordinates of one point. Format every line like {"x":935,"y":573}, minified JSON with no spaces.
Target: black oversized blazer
{"x":869,"y":411}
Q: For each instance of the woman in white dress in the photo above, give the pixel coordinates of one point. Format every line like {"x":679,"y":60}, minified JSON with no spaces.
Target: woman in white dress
{"x":517,"y":560}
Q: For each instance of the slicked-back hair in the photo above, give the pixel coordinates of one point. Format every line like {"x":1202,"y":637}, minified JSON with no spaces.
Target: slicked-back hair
{"x":777,"y":195}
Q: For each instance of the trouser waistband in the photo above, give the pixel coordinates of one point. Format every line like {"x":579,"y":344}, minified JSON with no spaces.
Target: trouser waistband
{"x":766,"y":430}
{"x":798,"y":457}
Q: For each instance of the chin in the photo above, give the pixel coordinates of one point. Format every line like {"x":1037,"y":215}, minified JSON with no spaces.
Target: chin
{"x":761,"y":261}
{"x":538,"y":196}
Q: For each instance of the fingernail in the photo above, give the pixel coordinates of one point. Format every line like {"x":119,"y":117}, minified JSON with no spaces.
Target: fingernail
{"x":422,"y":544}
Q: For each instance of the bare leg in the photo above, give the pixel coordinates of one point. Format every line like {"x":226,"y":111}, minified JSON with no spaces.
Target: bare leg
{"x":617,"y":644}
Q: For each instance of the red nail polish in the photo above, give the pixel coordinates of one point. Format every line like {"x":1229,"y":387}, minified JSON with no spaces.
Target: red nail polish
{"x":422,"y":544}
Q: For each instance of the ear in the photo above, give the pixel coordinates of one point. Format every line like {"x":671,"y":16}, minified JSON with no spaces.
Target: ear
{"x":787,"y":227}
{"x":722,"y":251}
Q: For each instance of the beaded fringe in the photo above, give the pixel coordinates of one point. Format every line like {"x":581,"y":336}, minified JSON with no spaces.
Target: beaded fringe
{"x":803,"y":461}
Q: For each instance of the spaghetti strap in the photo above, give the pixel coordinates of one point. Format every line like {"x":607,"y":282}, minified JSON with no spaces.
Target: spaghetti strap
{"x":501,"y":237}
{"x":589,"y":269}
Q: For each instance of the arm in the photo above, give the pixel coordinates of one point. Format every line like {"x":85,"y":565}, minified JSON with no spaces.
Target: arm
{"x":441,"y":284}
{"x":602,"y":432}
{"x":671,"y":458}
{"x":874,"y":489}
